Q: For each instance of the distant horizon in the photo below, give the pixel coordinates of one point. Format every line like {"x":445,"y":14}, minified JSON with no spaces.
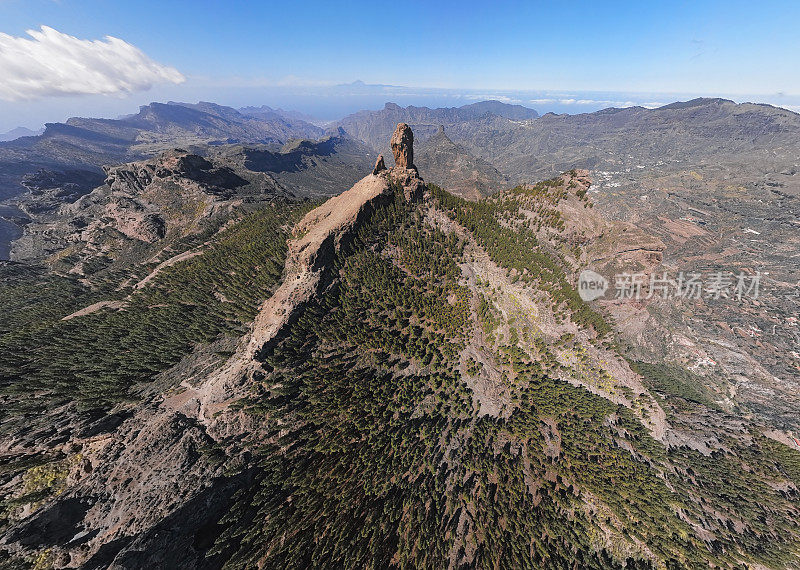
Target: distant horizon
{"x":327,"y":104}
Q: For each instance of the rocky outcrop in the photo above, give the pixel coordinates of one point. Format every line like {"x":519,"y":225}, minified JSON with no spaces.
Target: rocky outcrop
{"x":151,"y":491}
{"x":403,"y":147}
{"x":175,"y":164}
{"x":323,"y":232}
{"x":404,"y":173}
{"x":54,"y":188}
{"x":148,"y":202}
{"x":380,"y":166}
{"x":320,"y":235}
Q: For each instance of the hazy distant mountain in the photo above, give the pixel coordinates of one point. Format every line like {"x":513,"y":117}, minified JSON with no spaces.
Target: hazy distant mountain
{"x":694,"y":131}
{"x":524,"y":150}
{"x":323,"y":167}
{"x":87,"y":144}
{"x":18,"y":133}
{"x":219,"y":124}
{"x":265,"y":111}
{"x":375,"y":127}
{"x":455,"y":169}
{"x":509,"y":111}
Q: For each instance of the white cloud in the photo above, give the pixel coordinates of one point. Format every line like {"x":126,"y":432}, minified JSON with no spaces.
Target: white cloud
{"x":53,"y":64}
{"x":493,"y":97}
{"x":595,"y":103}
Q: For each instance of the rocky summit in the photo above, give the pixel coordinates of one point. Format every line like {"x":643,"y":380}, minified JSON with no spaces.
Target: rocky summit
{"x":393,"y":376}
{"x":400,"y":327}
{"x":403,"y":147}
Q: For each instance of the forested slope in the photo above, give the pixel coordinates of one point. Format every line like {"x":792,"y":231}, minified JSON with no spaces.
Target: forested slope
{"x":431,"y":392}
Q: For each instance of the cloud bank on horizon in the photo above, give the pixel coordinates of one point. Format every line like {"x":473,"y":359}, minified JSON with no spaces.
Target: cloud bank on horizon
{"x":51,"y":63}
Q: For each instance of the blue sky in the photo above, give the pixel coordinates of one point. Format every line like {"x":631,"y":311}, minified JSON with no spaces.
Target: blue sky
{"x":255,"y":52}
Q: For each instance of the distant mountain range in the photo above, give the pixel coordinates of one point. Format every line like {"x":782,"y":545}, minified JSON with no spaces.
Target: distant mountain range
{"x":374,"y":127}
{"x":471,"y":150}
{"x":66,"y":161}
{"x":82,"y":144}
{"x":17,"y":133}
{"x":526,"y":149}
{"x":268,"y":112}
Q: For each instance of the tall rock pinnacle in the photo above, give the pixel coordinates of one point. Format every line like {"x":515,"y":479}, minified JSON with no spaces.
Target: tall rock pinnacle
{"x":403,"y":147}
{"x":404,"y":174}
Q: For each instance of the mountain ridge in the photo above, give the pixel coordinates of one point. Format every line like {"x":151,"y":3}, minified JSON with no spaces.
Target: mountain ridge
{"x":395,"y":375}
{"x":17,"y":133}
{"x":88,"y":144}
{"x":455,"y":169}
{"x":174,"y":187}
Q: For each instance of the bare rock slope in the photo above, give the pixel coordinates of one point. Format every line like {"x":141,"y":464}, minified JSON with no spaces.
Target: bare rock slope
{"x":148,"y":487}
{"x":424,"y":373}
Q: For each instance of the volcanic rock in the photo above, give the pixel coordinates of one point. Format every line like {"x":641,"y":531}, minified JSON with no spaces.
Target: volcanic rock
{"x":380,"y":166}
{"x":403,"y":146}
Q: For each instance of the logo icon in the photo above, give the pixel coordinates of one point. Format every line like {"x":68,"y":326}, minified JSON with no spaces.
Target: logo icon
{"x":591,"y":285}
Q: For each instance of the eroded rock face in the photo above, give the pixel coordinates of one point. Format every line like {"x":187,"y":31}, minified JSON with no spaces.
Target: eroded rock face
{"x":403,"y":146}
{"x":380,"y":166}
{"x":149,"y":474}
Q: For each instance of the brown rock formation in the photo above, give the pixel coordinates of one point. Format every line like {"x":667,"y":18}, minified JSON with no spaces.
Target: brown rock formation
{"x":403,"y":146}
{"x":148,"y":470}
{"x":380,"y":166}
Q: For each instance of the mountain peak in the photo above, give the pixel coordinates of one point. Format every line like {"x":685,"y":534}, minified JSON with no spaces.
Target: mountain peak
{"x":19,"y":132}
{"x":698,"y":102}
{"x":514,"y":112}
{"x":440,"y":139}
